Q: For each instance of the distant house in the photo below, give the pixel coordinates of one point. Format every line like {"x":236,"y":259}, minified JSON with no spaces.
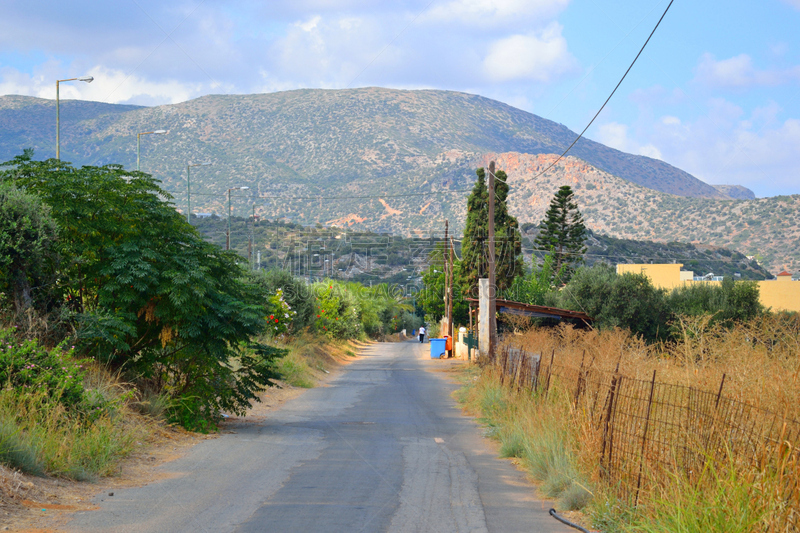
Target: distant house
{"x":780,"y":294}
{"x":204,"y":215}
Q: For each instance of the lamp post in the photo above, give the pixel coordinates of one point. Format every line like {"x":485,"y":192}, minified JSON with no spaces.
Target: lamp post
{"x":228,"y":239}
{"x":188,"y":188}
{"x":138,"y":142}
{"x":87,"y":79}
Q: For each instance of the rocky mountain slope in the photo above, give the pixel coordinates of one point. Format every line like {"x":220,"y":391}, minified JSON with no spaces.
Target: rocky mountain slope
{"x":393,"y":161}
{"x":765,"y":228}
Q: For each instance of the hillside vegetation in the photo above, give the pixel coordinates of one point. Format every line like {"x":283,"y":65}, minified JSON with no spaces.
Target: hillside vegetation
{"x":396,"y":161}
{"x":766,"y":228}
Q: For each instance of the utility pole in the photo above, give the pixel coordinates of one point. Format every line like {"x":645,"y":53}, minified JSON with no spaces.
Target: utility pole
{"x":445,"y":256}
{"x":450,"y":328}
{"x":250,"y":242}
{"x":492,"y":281}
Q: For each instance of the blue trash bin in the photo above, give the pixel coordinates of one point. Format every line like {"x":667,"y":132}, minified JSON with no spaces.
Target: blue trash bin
{"x":438,"y":347}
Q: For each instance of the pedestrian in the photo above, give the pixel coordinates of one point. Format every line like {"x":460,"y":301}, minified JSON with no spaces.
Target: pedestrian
{"x":421,"y":333}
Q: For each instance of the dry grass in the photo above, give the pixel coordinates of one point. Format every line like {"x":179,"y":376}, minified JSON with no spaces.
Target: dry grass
{"x":760,"y":360}
{"x":692,"y":462}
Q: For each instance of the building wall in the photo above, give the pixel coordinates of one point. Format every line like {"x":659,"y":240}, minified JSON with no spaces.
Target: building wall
{"x":782,"y":294}
{"x":666,"y":276}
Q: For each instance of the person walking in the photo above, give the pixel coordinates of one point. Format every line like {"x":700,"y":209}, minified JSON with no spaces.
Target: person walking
{"x":421,"y":333}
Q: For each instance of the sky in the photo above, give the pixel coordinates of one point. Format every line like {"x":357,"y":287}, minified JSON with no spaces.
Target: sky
{"x":716,"y":92}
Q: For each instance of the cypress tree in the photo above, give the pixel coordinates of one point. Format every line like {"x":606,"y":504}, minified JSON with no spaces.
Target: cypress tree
{"x":563,"y":232}
{"x":474,"y":248}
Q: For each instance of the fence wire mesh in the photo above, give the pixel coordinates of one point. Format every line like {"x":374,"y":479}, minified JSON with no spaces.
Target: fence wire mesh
{"x":651,"y":428}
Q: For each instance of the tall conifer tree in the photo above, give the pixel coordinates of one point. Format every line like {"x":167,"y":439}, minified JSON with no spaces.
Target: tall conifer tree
{"x":563,"y":232}
{"x":475,"y":247}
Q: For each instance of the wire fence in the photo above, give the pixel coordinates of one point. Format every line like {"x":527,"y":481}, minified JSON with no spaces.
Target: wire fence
{"x":648,"y":429}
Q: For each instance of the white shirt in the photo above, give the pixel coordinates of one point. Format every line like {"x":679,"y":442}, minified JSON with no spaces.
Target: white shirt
{"x":422,"y":331}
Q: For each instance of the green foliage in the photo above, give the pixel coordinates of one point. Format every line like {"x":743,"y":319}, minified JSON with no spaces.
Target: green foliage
{"x":732,"y":301}
{"x":629,"y":301}
{"x":533,"y":287}
{"x":295,"y":293}
{"x":25,"y":365}
{"x":563,"y":232}
{"x":337,"y":315}
{"x":432,"y":295}
{"x":148,"y":295}
{"x":28,"y":257}
{"x":474,"y":248}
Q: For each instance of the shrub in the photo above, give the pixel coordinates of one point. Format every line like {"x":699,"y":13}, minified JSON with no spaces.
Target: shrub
{"x":629,"y":301}
{"x":24,"y":365}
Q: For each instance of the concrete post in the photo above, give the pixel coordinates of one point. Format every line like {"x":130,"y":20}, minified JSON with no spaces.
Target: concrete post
{"x":483,"y":317}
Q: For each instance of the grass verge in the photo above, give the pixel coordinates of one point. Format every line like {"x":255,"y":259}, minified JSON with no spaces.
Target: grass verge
{"x":533,"y":430}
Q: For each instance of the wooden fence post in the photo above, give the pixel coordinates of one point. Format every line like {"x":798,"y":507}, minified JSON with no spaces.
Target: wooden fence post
{"x":550,"y":373}
{"x":644,"y":436}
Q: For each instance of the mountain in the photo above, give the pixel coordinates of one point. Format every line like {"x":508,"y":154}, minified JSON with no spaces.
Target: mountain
{"x":765,"y":228}
{"x":737,"y":192}
{"x":318,"y":137}
{"x":386,"y":160}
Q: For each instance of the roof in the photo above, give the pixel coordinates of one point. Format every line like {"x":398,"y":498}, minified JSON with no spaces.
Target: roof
{"x":784,"y":273}
{"x":517,"y":308}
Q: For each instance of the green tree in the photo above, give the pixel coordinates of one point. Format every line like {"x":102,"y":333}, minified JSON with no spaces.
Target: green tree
{"x":533,"y":287}
{"x":148,"y":294}
{"x":731,"y":301}
{"x":629,"y":301}
{"x":563,"y":232}
{"x":28,"y":256}
{"x":474,"y":247}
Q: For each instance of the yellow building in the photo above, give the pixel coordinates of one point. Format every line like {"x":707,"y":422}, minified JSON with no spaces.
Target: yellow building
{"x":781,"y":294}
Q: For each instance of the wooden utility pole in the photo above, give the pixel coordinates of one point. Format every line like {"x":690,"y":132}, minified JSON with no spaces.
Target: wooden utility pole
{"x":450,"y":329}
{"x":492,"y":281}
{"x":445,"y":256}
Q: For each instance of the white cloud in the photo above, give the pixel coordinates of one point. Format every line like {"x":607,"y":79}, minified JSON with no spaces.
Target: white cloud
{"x":728,"y":146}
{"x":794,"y":3}
{"x":739,"y":72}
{"x":539,"y":56}
{"x":668,"y":120}
{"x":615,"y":135}
{"x":492,"y":12}
{"x":109,"y":85}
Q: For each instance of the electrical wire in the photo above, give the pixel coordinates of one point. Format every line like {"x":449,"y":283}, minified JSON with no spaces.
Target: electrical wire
{"x":376,"y":196}
{"x":609,"y":96}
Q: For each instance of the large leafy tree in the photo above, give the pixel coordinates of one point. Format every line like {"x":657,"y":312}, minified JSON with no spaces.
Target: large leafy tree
{"x":147,"y":293}
{"x":475,"y":247}
{"x":563,"y":232}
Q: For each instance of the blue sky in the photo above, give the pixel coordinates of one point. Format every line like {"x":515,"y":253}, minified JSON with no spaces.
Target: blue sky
{"x":716,"y":92}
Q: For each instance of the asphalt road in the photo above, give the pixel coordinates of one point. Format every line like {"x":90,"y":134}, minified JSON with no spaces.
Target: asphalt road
{"x":382,"y":447}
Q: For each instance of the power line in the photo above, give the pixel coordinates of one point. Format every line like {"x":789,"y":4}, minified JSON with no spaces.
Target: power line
{"x":264,"y":197}
{"x":609,"y":96}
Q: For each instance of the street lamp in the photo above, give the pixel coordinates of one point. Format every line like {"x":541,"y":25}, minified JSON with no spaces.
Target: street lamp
{"x":87,"y":79}
{"x":138,"y":137}
{"x":188,"y":189}
{"x":228,"y":239}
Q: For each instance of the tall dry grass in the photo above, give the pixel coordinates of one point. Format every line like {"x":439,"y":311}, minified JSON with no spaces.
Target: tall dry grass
{"x":760,"y":359}
{"x":687,"y":470}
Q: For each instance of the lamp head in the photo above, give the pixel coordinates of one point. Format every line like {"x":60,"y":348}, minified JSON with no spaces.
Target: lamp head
{"x":87,"y":79}
{"x":244,"y":188}
{"x":160,"y":132}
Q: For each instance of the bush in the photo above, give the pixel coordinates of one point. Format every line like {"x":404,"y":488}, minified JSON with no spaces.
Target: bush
{"x":732,"y":301}
{"x":629,"y":301}
{"x":24,"y":365}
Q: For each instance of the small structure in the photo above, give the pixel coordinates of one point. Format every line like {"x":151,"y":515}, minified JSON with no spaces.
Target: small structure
{"x":516,"y":308}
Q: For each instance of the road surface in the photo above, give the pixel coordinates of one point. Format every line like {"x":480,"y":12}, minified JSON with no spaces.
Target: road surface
{"x":381,"y":447}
